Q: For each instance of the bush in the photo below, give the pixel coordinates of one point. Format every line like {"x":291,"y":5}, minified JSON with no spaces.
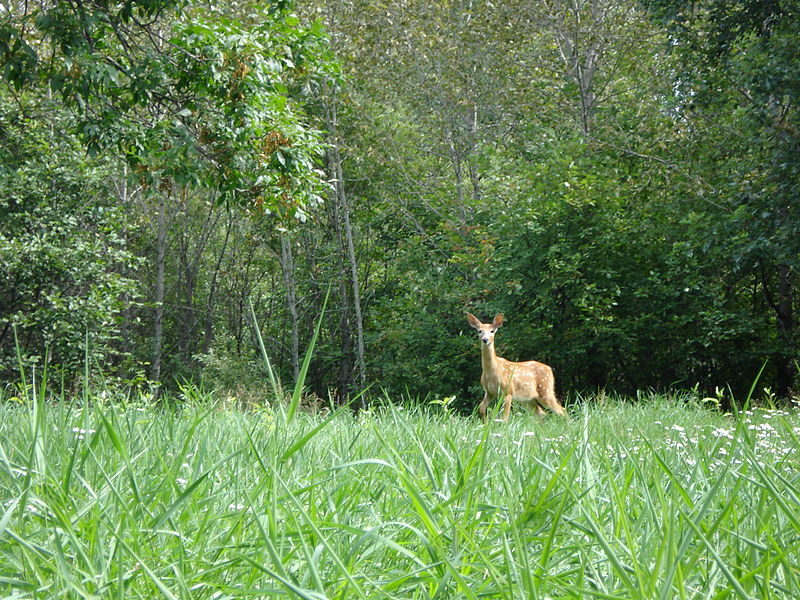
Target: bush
{"x":63,"y":256}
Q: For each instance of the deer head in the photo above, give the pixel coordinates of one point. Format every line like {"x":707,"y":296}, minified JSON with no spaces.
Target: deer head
{"x":486,"y":331}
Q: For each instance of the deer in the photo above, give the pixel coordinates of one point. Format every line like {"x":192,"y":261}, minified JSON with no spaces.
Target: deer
{"x":530,"y":382}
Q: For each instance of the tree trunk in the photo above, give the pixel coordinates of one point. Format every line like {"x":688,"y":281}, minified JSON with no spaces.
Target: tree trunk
{"x":355,"y":282}
{"x":124,"y":195}
{"x":187,"y":272}
{"x":473,"y":144}
{"x":191,"y":252}
{"x":208,"y":333}
{"x":785,"y":369}
{"x":346,"y":241}
{"x":287,"y":265}
{"x":581,"y":47}
{"x":457,"y":161}
{"x":158,"y":323}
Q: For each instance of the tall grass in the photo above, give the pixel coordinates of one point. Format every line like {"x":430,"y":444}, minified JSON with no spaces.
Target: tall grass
{"x":656,"y":500}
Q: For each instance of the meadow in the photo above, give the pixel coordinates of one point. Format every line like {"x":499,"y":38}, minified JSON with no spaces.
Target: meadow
{"x":661,"y":498}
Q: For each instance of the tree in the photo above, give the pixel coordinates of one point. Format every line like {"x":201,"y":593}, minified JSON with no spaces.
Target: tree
{"x":181,"y":93}
{"x":597,"y":220}
{"x":66,"y":269}
{"x":740,"y":78}
{"x":193,"y":99}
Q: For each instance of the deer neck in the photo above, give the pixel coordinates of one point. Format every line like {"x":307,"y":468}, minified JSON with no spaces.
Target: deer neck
{"x":488,"y":358}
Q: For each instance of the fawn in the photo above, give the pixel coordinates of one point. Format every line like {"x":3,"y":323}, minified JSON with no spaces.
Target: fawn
{"x":531,"y":382}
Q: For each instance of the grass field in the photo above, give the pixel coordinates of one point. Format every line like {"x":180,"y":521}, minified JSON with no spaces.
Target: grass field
{"x":656,"y":500}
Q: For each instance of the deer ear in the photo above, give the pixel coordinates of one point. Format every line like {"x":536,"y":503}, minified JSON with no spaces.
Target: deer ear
{"x":473,"y":321}
{"x":498,"y":320}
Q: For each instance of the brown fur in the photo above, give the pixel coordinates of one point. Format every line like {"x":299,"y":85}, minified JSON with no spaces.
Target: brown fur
{"x":530,"y":382}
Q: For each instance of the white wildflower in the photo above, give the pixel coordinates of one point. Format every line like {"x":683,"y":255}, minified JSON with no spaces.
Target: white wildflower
{"x":82,"y":433}
{"x":763,"y":428}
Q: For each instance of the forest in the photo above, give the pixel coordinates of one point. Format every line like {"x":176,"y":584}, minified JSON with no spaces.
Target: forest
{"x":619,"y":178}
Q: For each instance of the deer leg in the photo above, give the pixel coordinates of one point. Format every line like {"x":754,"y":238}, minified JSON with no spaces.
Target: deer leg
{"x":484,"y":404}
{"x":551,"y":402}
{"x":540,"y":414}
{"x":506,"y":407}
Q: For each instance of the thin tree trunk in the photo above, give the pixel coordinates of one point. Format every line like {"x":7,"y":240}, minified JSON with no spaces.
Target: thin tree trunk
{"x":343,"y":213}
{"x":473,"y":143}
{"x":188,"y":271}
{"x":346,"y":341}
{"x":161,"y":245}
{"x":782,"y":305}
{"x":125,"y":329}
{"x":190,"y":259}
{"x":457,"y":160}
{"x":354,"y":279}
{"x":785,"y":374}
{"x":208,"y":333}
{"x":287,"y":265}
{"x":581,"y":48}
{"x":345,"y":362}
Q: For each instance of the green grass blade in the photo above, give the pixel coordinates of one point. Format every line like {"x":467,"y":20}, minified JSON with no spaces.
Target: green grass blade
{"x":301,"y":377}
{"x":305,"y":438}
{"x":273,"y":380}
{"x":355,"y":586}
{"x":723,"y":566}
{"x":298,"y":591}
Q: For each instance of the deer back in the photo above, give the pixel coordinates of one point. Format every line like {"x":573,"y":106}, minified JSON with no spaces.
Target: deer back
{"x":524,"y":380}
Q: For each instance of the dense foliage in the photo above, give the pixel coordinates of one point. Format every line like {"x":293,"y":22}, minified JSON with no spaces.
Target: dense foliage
{"x":66,"y":274}
{"x":620,"y":178}
{"x":185,"y":93}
